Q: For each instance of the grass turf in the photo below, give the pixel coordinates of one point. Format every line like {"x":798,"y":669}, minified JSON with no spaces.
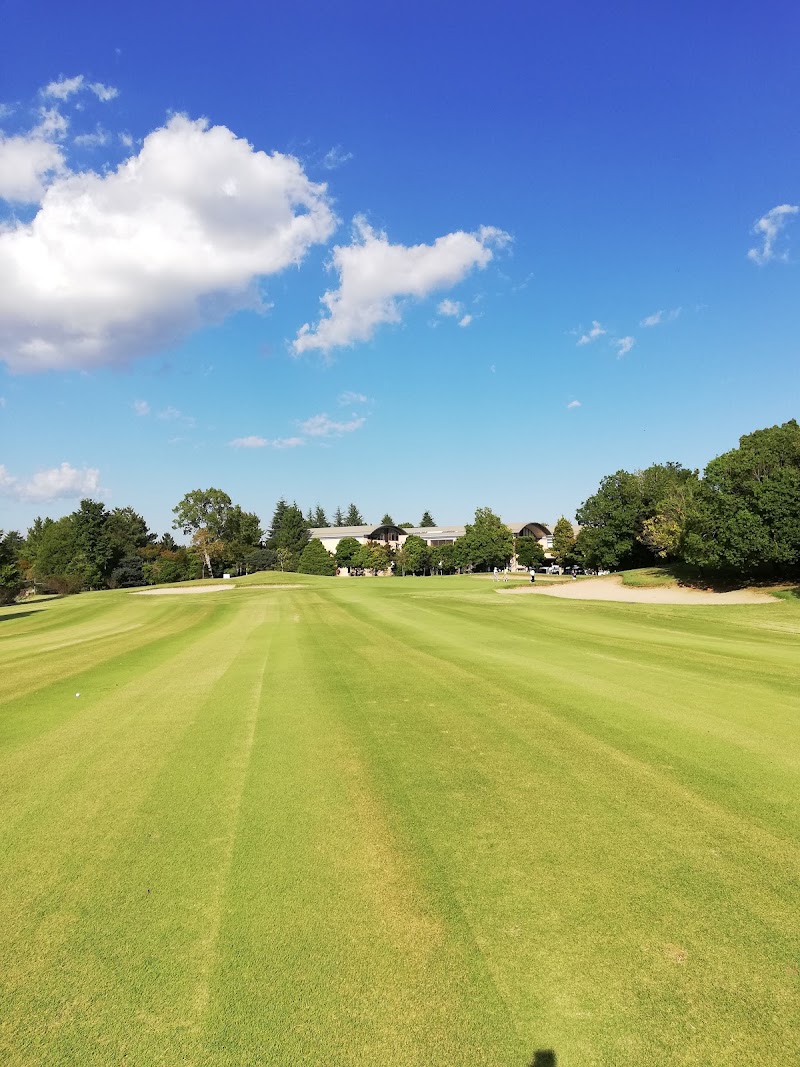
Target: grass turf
{"x":397,"y":822}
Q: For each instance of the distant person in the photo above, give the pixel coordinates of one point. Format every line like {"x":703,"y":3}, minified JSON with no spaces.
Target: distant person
{"x":533,"y":575}
{"x":495,"y":574}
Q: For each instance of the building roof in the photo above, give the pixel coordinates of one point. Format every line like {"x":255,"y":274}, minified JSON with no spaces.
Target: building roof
{"x":437,"y":532}
{"x":352,"y":531}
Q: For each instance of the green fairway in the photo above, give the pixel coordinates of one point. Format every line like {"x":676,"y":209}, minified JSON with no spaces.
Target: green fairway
{"x":398,"y":822}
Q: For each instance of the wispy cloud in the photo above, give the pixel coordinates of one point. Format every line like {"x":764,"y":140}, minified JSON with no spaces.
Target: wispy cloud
{"x":97,"y":139}
{"x":449,"y":307}
{"x":658,"y":317}
{"x":171,"y":414}
{"x":56,"y":483}
{"x":591,"y":335}
{"x":336,"y":157}
{"x":465,"y":321}
{"x":623,"y":345}
{"x":141,"y":407}
{"x":323,"y":426}
{"x":768,"y":228}
{"x":63,"y":88}
{"x":347,"y":398}
{"x":574,"y":404}
{"x":264,"y":442}
{"x":249,"y":442}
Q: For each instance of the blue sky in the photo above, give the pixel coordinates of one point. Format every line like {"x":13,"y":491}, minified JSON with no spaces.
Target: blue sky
{"x":556,"y":240}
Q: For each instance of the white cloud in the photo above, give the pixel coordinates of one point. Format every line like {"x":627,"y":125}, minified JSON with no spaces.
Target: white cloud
{"x":374,"y":275}
{"x":336,"y":157}
{"x":659,"y":317}
{"x":26,"y":164}
{"x":347,"y":398}
{"x":465,"y":321}
{"x":97,"y":139}
{"x":52,"y":124}
{"x":171,"y":414}
{"x":768,"y":228}
{"x":574,"y":404}
{"x":64,"y":88}
{"x":249,"y":442}
{"x":449,"y":307}
{"x":57,"y":483}
{"x":323,"y":426}
{"x":103,"y":93}
{"x":263,"y":442}
{"x":596,"y":331}
{"x":117,"y":265}
{"x":141,"y":407}
{"x":624,"y":345}
{"x":126,"y":140}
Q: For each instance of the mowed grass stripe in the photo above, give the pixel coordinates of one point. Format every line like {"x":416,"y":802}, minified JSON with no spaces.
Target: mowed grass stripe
{"x":402,"y":823}
{"x":333,"y":951}
{"x":548,"y":808}
{"x":82,"y":950}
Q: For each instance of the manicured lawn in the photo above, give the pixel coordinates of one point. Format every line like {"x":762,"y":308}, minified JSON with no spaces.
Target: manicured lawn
{"x":398,"y":822}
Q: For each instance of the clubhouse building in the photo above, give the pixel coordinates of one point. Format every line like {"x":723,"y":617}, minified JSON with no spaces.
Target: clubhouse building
{"x":395,"y":536}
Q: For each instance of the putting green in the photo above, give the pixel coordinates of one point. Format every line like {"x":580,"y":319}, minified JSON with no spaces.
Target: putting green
{"x":398,"y":822}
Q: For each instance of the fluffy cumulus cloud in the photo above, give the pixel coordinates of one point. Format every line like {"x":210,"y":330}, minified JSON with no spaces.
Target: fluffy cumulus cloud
{"x":768,"y":229}
{"x":119,"y":264}
{"x":623,"y":345}
{"x":375,"y":276}
{"x":591,"y":335}
{"x":323,"y":426}
{"x":26,"y":164}
{"x":57,"y":483}
{"x":30,"y":161}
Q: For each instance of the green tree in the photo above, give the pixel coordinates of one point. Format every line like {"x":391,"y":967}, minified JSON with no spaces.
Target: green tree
{"x":203,"y":509}
{"x":315,"y":559}
{"x":426,"y":520}
{"x":127,"y":533}
{"x":414,"y":557}
{"x":489,"y":542}
{"x":320,"y":518}
{"x":346,"y":552}
{"x":292,"y":534}
{"x":277,"y":521}
{"x":94,"y":549}
{"x":286,"y":559}
{"x":563,"y":542}
{"x":59,"y":565}
{"x":387,"y":520}
{"x":11,"y":576}
{"x":354,"y":517}
{"x":529,"y":552}
{"x":747,"y":517}
{"x":338,"y":518}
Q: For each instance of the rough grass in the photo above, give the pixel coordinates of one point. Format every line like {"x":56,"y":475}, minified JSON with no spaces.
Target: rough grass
{"x":400,"y":822}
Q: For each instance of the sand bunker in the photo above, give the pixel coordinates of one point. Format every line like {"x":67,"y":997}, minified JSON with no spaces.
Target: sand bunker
{"x":612,"y":589}
{"x":183,"y":592}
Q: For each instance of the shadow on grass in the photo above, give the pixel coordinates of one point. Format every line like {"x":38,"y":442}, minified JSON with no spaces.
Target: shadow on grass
{"x":545,"y":1057}
{"x":8,"y":615}
{"x":695,"y":578}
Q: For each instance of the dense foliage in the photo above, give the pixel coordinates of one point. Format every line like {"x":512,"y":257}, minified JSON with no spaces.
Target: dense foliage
{"x":742,"y":517}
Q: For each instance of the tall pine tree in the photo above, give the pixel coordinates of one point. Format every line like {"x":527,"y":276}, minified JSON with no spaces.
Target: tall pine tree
{"x":354,"y":517}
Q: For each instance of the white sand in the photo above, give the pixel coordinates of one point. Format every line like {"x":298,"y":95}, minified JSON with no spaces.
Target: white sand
{"x":612,"y":589}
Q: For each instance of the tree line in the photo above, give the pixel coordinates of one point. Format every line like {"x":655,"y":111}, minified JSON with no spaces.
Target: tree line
{"x":739,"y":519}
{"x":97,"y":548}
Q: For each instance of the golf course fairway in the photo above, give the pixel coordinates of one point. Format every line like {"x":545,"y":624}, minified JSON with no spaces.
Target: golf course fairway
{"x":398,"y":822}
